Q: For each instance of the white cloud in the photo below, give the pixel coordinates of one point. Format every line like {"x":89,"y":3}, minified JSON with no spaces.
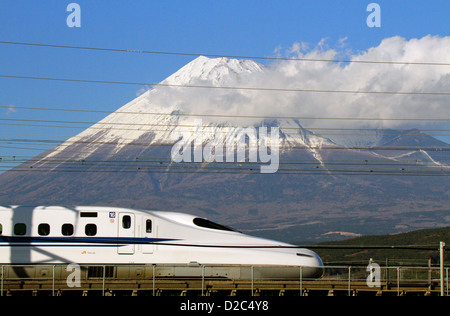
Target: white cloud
{"x":285,"y":74}
{"x":364,"y":77}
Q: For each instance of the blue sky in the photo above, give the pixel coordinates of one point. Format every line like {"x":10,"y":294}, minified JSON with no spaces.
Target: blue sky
{"x":244,"y":27}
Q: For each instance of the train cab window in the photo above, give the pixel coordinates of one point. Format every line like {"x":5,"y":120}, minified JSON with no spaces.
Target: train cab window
{"x":20,"y":229}
{"x":126,"y":221}
{"x":90,"y":229}
{"x":208,"y":224}
{"x":67,"y":229}
{"x":148,"y":226}
{"x":43,"y":229}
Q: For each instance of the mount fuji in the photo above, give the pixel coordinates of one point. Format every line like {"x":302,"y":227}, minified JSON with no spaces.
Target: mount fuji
{"x":362,"y":185}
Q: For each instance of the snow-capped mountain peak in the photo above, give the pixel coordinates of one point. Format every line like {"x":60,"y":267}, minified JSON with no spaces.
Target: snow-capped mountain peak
{"x":154,"y":117}
{"x":148,"y":118}
{"x":218,"y":71}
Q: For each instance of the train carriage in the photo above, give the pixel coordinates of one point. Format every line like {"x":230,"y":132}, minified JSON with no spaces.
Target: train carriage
{"x":111,"y":235}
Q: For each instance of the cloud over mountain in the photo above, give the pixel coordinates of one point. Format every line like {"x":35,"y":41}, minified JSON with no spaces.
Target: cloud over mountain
{"x":401,"y":74}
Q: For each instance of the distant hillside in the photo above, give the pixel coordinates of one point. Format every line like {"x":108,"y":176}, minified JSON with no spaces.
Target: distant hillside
{"x":426,"y":237}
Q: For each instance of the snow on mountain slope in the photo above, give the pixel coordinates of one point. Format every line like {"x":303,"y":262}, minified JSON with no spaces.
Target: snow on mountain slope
{"x":155,"y":116}
{"x":217,"y":71}
{"x":163,"y":114}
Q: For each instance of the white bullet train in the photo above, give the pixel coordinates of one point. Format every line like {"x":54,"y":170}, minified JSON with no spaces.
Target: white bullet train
{"x":111,"y":235}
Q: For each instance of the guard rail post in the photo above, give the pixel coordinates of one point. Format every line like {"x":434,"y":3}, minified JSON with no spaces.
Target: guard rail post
{"x":349,"y":279}
{"x":441,"y":254}
{"x":301,"y":281}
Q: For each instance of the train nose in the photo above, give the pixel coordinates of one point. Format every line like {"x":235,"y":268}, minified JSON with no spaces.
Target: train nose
{"x":311,"y":262}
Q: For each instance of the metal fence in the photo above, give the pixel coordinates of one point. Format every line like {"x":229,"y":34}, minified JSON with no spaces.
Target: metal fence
{"x":56,"y":278}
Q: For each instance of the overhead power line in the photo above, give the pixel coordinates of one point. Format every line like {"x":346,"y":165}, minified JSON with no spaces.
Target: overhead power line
{"x":134,"y":51}
{"x":159,"y":162}
{"x":328,"y":134}
{"x":77,"y":165}
{"x":118,"y":159}
{"x":131,"y":124}
{"x":229,"y":115}
{"x":225,"y":87}
{"x":343,"y":131}
{"x":211,"y":169}
{"x":109,"y":162}
{"x":169,"y":144}
{"x":286,"y":130}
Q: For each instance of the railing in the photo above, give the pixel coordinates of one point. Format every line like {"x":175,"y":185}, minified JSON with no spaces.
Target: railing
{"x":394,"y":278}
{"x":55,"y":278}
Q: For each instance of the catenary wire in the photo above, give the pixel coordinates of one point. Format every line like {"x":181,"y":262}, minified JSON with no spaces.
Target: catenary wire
{"x":327,"y":147}
{"x":343,"y":168}
{"x":138,"y":158}
{"x":228,"y":115}
{"x":225,"y":87}
{"x":254,"y":170}
{"x":286,"y":130}
{"x":86,"y":165}
{"x":104,"y":49}
{"x":164,"y":160}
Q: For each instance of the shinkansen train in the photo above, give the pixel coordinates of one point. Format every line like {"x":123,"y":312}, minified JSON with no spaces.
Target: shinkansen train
{"x":111,"y":235}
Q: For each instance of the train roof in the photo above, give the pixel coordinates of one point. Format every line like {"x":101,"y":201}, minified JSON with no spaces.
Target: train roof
{"x":178,"y":217}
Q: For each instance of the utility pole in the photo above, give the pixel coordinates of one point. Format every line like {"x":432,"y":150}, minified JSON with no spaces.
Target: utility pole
{"x":441,"y":253}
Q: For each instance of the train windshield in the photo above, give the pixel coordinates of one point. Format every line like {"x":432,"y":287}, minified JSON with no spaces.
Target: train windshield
{"x":208,"y":224}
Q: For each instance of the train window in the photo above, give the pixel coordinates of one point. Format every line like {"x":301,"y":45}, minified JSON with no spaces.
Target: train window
{"x":126,"y":221}
{"x":88,"y":214}
{"x":90,"y":229}
{"x":148,"y":226}
{"x":20,"y":229}
{"x":43,"y":229}
{"x":67,"y":229}
{"x":1,"y":229}
{"x":208,"y":224}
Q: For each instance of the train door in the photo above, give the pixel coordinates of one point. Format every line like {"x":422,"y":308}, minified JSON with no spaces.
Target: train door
{"x":126,"y":231}
{"x":148,"y":234}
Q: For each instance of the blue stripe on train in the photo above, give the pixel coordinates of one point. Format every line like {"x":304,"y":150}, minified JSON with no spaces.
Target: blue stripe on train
{"x":63,"y":241}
